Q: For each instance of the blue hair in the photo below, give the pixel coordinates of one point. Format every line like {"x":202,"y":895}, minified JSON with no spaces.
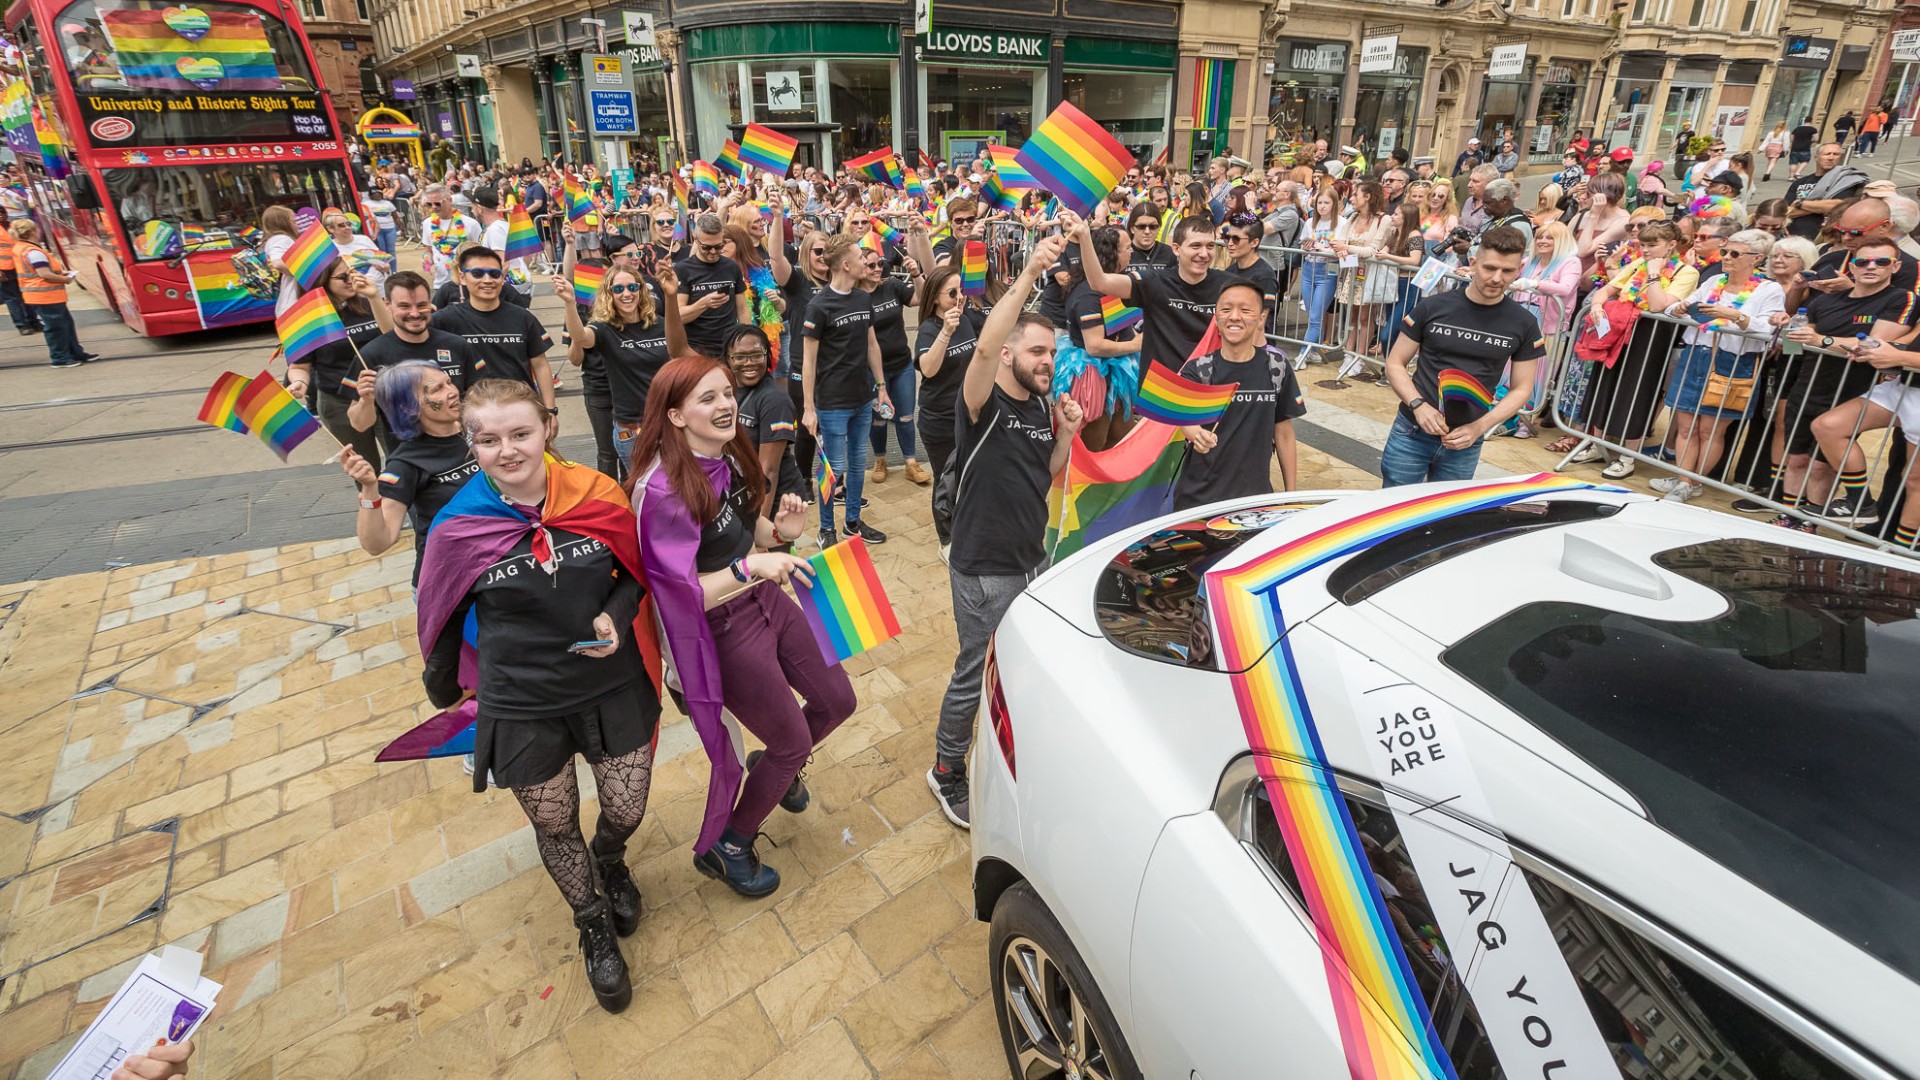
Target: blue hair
{"x":397,"y":392}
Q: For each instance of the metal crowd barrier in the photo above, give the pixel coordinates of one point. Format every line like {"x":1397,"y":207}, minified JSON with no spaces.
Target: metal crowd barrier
{"x":1660,"y":398}
{"x":1355,"y":337}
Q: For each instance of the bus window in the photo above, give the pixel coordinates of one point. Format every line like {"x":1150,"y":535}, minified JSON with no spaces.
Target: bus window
{"x":168,"y":208}
{"x":86,"y":45}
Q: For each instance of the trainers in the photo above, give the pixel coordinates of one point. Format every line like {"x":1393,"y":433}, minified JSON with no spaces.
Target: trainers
{"x":949,"y":784}
{"x":797,"y":798}
{"x":877,"y":474}
{"x":1621,"y":468}
{"x":1664,"y":484}
{"x":918,"y":473}
{"x":1860,"y":509}
{"x":828,"y":537}
{"x":600,"y":951}
{"x":866,"y":532}
{"x":733,"y":860}
{"x":1588,"y":453}
{"x":1751,"y":506}
{"x":1680,"y":492}
{"x":623,"y":895}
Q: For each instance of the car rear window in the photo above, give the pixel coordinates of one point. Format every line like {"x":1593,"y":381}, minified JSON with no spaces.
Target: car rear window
{"x":1780,"y":738}
{"x":1148,"y":599}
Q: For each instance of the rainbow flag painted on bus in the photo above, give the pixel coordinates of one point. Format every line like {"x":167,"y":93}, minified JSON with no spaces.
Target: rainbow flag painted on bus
{"x":196,"y":238}
{"x":310,"y":323}
{"x":729,"y":160}
{"x":1074,"y":158}
{"x":1384,"y":1020}
{"x":846,"y":606}
{"x":871,"y":166}
{"x":1171,"y":399}
{"x":973,"y":269}
{"x":706,"y":178}
{"x":523,"y":240}
{"x":1117,"y":316}
{"x":261,"y":407}
{"x":1006,"y":162}
{"x":219,"y":296}
{"x":52,"y":153}
{"x":186,"y":48}
{"x":586,"y":282}
{"x":767,"y":150}
{"x":307,"y":260}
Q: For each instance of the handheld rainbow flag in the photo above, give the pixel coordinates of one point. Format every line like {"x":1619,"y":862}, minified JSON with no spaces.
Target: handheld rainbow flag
{"x":310,"y":323}
{"x":1117,"y":316}
{"x":871,"y":242}
{"x":825,"y":482}
{"x":973,"y":269}
{"x":995,"y":196}
{"x":871,"y":166}
{"x":268,"y":412}
{"x":706,"y":179}
{"x":218,"y":409}
{"x":1459,"y":388}
{"x":887,"y":233}
{"x":846,"y":606}
{"x":579,"y":205}
{"x":523,"y":240}
{"x":1006,"y":162}
{"x":1074,"y":158}
{"x":1167,"y":397}
{"x":915,"y":187}
{"x":767,"y":150}
{"x":729,"y":160}
{"x":895,"y":174}
{"x":220,"y":298}
{"x":586,"y":282}
{"x":679,"y":191}
{"x":307,"y":260}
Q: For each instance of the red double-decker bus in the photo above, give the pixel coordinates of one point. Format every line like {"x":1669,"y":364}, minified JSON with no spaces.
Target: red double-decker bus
{"x":184,"y":122}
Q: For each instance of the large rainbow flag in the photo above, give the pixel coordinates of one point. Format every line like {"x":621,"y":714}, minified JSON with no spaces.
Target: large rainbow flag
{"x":871,"y":166}
{"x":1384,"y":1020}
{"x":186,"y":48}
{"x":218,"y":295}
{"x":1102,"y":492}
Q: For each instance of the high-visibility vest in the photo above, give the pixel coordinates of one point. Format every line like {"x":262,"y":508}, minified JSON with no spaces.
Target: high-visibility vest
{"x":35,"y":289}
{"x":6,"y":251}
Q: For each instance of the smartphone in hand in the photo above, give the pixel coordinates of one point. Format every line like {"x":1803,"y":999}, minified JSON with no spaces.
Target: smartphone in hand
{"x":583,"y":646}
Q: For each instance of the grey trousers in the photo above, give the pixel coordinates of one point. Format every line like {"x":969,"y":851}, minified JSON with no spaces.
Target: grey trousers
{"x":978,"y":604}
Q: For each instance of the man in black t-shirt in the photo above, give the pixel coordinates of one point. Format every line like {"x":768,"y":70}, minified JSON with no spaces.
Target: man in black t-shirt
{"x":1805,"y":214}
{"x":1463,"y":340}
{"x":1228,"y":458}
{"x":713,"y":292}
{"x":1800,"y":147}
{"x":507,"y":342}
{"x":1011,"y":445}
{"x":1177,"y":303}
{"x":1859,"y":223}
{"x":413,"y":337}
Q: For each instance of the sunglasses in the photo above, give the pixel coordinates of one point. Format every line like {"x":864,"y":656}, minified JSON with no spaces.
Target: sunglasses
{"x":620,"y":290}
{"x":1731,"y":253}
{"x":663,"y":223}
{"x":712,"y":249}
{"x":1883,"y":261}
{"x":1235,"y":238}
{"x":962,"y":220}
{"x":1147,"y":226}
{"x":485,"y":272}
{"x":1855,"y":234}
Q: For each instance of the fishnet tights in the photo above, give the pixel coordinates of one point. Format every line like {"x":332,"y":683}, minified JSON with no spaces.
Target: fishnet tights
{"x":554,"y":810}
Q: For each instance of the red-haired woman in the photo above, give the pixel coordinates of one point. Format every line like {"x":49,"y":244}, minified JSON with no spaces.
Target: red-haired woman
{"x":735,"y":640}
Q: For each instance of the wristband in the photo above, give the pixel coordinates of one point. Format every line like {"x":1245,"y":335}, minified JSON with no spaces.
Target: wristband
{"x":1414,"y":405}
{"x":370,"y":504}
{"x":739,"y":568}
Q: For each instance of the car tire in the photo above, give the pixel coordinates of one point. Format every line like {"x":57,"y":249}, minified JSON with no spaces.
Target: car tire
{"x":1043,"y":992}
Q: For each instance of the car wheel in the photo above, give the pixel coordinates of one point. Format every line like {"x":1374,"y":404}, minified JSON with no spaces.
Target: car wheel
{"x":1054,"y":1022}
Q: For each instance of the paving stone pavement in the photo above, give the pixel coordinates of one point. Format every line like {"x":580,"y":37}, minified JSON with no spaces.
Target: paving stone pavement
{"x":186,"y":757}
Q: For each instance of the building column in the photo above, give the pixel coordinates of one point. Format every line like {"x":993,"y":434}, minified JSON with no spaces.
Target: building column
{"x":549,"y":106}
{"x":673,"y":48}
{"x":1712,"y":105}
{"x":1598,"y":94}
{"x":1523,"y":124}
{"x":907,"y":131}
{"x":1349,"y":99}
{"x":1475,"y":92}
{"x":1056,"y":73}
{"x":1425,"y":134}
{"x":1657,"y":110}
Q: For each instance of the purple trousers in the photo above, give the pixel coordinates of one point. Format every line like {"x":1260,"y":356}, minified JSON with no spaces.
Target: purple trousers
{"x":767,"y":653}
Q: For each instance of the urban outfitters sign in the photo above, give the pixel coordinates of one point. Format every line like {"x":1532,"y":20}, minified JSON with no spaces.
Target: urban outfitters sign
{"x":997,"y":46}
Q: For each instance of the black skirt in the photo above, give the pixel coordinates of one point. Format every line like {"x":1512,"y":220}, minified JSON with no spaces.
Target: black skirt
{"x":525,"y":753}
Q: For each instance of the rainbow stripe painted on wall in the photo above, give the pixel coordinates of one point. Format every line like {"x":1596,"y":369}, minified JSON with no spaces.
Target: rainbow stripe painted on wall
{"x":1211,"y":79}
{"x":1384,"y":1020}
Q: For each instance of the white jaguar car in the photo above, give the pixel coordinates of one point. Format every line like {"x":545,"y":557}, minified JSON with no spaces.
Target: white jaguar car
{"x":1495,"y":779}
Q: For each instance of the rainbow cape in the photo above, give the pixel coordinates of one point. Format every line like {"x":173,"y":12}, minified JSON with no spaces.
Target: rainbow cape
{"x":767,"y":150}
{"x":1102,"y":492}
{"x":586,"y":282}
{"x":846,"y":606}
{"x":1006,"y":163}
{"x":187,"y":49}
{"x":310,"y":323}
{"x":973,"y":269}
{"x":871,"y":166}
{"x":729,"y":159}
{"x":669,"y":538}
{"x":307,"y":260}
{"x":261,"y":407}
{"x":523,"y":240}
{"x":1172,"y":399}
{"x":1074,"y":158}
{"x":475,"y":530}
{"x":1384,"y":1020}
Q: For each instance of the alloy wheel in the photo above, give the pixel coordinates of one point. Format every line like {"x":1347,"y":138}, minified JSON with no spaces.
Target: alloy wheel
{"x":1053,"y":1036}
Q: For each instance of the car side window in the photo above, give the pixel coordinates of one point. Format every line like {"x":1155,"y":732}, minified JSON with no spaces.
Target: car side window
{"x":1659,"y":1016}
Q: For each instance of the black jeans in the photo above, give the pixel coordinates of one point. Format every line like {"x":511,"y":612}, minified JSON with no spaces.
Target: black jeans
{"x":600,"y":419}
{"x":937,"y":437}
{"x":806,"y":449}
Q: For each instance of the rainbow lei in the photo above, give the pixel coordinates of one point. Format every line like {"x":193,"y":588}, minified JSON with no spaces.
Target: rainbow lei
{"x":1737,"y":299}
{"x":766,"y":316}
{"x":1636,"y":289}
{"x":445,"y":242}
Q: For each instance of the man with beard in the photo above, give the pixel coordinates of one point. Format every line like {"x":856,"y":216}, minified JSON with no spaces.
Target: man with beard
{"x":1011,"y":445}
{"x":412,"y":338}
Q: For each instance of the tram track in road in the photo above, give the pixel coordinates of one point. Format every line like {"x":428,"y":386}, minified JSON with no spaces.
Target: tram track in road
{"x":109,"y":437}
{"x":9,"y":364}
{"x":106,"y":399}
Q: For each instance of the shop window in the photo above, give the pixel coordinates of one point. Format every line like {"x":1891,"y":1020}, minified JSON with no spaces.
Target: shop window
{"x":979,"y":105}
{"x":716,"y":104}
{"x":860,"y":95}
{"x":1635,"y":970}
{"x":1133,"y":107}
{"x":792,"y":79}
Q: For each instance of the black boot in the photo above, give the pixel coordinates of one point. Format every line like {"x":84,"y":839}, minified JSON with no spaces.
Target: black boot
{"x":623,"y":896}
{"x":796,"y":799}
{"x":733,"y":860}
{"x":600,"y":951}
